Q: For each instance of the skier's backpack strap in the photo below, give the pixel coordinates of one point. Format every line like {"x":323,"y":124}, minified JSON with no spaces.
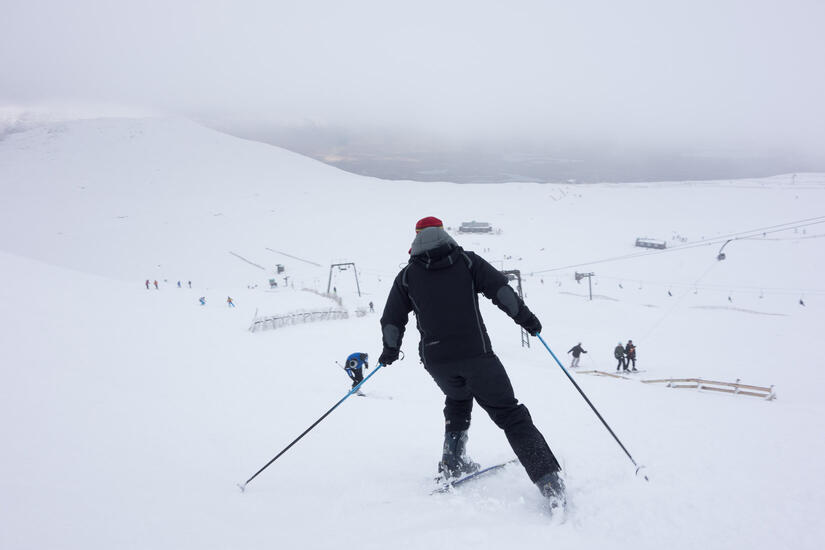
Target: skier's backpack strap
{"x":467,"y":259}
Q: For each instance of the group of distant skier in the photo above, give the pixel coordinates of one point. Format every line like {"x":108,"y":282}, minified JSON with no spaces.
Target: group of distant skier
{"x":229,"y":301}
{"x":625,"y":354}
{"x":201,"y":300}
{"x":155,"y":283}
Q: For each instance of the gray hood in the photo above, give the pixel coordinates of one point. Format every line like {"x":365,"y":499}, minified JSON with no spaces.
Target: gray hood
{"x":430,"y":238}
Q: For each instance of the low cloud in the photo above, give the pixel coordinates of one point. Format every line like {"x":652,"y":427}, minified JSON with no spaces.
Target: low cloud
{"x":684,"y":75}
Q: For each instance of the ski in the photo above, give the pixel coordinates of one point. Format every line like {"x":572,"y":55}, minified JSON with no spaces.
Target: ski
{"x":445,"y":486}
{"x":371,"y":395}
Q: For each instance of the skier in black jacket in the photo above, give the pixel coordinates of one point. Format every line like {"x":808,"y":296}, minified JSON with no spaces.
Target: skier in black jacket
{"x":440,"y":284}
{"x":576,"y":350}
{"x":618,"y":353}
{"x":630,"y":355}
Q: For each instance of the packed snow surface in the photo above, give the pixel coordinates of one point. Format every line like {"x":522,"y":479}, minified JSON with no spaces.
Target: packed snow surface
{"x":128,"y":415}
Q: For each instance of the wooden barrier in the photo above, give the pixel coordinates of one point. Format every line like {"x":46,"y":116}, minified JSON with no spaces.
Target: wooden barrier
{"x":601,"y":373}
{"x":733,"y":388}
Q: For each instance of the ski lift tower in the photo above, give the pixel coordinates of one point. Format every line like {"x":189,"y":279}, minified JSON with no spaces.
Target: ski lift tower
{"x":515,"y":274}
{"x":344,"y":267}
{"x":580,"y":276}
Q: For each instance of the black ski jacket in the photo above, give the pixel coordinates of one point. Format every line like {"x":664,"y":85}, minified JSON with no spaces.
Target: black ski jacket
{"x":441,"y":287}
{"x":577,"y":350}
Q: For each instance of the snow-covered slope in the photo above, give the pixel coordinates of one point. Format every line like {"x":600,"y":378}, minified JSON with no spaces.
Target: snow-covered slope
{"x":128,"y":415}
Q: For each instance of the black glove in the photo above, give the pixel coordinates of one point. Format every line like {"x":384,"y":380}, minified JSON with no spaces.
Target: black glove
{"x":388,"y":356}
{"x":532,"y":325}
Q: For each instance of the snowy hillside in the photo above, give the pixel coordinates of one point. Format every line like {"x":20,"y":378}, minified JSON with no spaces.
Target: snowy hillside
{"x":129,"y":414}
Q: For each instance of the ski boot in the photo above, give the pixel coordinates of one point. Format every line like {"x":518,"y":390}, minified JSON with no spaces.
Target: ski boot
{"x":454,"y":460}
{"x":552,"y":488}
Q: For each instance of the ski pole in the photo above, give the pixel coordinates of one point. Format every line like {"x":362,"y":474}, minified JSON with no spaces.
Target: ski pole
{"x":344,"y":369}
{"x":294,"y":441}
{"x":592,"y":407}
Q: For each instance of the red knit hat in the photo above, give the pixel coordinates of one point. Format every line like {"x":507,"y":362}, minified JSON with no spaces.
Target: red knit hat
{"x":429,"y":221}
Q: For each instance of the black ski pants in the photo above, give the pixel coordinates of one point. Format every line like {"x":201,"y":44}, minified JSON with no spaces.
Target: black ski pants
{"x":357,"y":376}
{"x":485,"y":380}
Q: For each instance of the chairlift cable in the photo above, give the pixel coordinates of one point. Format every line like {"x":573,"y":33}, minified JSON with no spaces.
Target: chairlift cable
{"x":716,"y":287}
{"x":679,"y":300}
{"x":694,"y":244}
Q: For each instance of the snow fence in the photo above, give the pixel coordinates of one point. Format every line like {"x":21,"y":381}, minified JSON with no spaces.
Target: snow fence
{"x":267,"y":322}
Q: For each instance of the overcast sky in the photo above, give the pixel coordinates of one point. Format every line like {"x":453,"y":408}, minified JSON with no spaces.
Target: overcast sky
{"x":695,"y":72}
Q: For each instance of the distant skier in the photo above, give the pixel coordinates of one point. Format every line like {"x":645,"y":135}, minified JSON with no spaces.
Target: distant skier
{"x":372,"y":308}
{"x":618,"y":353}
{"x":202,"y":300}
{"x":576,"y":350}
{"x":190,"y":284}
{"x":156,"y":285}
{"x":441,"y":283}
{"x":353,"y":366}
{"x":179,"y":284}
{"x":147,"y":284}
{"x":630,"y":355}
{"x":229,"y":302}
